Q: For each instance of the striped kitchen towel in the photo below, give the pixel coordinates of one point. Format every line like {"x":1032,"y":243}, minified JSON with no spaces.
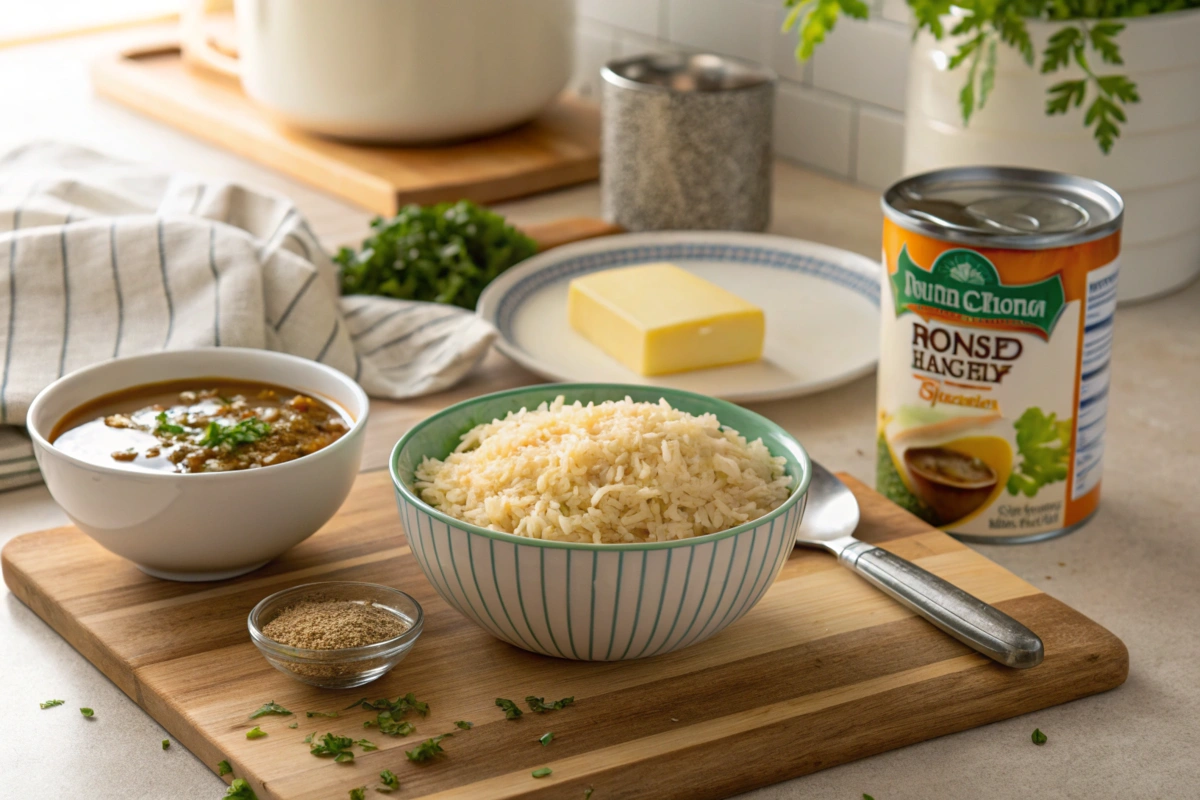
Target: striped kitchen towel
{"x":100,"y":258}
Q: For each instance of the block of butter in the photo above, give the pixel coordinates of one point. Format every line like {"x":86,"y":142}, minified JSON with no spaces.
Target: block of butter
{"x":658,"y":318}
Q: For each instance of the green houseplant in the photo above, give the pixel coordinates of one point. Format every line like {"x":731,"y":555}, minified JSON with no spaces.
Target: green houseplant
{"x":1087,"y":36}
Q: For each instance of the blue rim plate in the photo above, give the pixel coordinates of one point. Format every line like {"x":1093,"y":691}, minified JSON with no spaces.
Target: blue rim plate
{"x":821,"y":306}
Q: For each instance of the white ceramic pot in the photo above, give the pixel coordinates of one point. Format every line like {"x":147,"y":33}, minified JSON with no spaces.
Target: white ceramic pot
{"x":203,"y":526}
{"x":1155,"y":164}
{"x":596,"y":602}
{"x":413,"y":71}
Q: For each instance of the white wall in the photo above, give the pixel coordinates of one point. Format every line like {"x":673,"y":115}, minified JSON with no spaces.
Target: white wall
{"x":841,"y":113}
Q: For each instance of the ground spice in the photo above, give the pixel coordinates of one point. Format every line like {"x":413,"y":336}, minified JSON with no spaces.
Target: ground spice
{"x":319,"y":623}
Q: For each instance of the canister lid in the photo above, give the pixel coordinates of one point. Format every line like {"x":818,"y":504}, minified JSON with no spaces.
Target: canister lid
{"x":686,"y":72}
{"x":1025,"y":209}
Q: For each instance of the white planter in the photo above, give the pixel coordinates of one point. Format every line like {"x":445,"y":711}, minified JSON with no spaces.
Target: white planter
{"x":1155,"y":164}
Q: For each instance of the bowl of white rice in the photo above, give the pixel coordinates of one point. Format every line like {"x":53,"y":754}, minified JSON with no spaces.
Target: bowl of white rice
{"x":600,"y":522}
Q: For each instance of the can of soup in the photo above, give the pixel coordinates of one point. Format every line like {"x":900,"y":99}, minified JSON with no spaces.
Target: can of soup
{"x":999,"y":290}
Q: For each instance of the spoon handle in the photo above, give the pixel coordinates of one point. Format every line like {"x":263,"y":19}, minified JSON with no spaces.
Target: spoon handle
{"x":962,"y":615}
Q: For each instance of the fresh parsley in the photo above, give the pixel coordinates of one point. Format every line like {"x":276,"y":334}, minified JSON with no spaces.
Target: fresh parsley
{"x":389,"y":725}
{"x":542,"y":773}
{"x":311,"y":714}
{"x":466,"y":726}
{"x":333,"y":745}
{"x":87,"y":712}
{"x":427,"y":750}
{"x":223,"y":768}
{"x":1085,"y":37}
{"x":51,"y":703}
{"x":255,"y":733}
{"x":240,"y":790}
{"x":867,"y":796}
{"x":398,"y":707}
{"x":445,"y":253}
{"x":294,"y":725}
{"x":245,"y":431}
{"x":358,"y":794}
{"x":270,"y":708}
{"x":166,"y":743}
{"x":1044,"y":443}
{"x":166,"y":426}
{"x":389,"y":780}
{"x":587,"y":793}
{"x":509,"y":707}
{"x":546,"y":738}
{"x":366,"y":745}
{"x":540,"y":705}
{"x":1038,"y":737}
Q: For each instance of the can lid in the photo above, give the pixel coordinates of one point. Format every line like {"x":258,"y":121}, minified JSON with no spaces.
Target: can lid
{"x":1024,"y":209}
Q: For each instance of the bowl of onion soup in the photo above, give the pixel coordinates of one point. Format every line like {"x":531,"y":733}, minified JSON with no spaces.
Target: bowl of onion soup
{"x":200,"y":464}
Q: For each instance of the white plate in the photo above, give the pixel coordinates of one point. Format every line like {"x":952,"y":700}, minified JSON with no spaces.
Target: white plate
{"x":821,"y":305}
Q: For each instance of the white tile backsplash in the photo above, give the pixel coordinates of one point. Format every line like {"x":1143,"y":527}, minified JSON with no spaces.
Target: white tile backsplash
{"x":640,"y":16}
{"x":879,"y":158}
{"x":732,"y":27}
{"x":814,"y":128}
{"x":864,"y":61}
{"x":842,"y":112}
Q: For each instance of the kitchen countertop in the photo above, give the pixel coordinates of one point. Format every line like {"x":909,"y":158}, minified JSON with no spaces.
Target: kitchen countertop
{"x":1135,"y":568}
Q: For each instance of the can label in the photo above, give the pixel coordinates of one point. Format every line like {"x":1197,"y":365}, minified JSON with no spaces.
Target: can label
{"x":993,"y":382}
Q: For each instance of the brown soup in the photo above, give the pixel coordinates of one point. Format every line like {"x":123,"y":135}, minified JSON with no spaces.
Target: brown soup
{"x":199,"y":425}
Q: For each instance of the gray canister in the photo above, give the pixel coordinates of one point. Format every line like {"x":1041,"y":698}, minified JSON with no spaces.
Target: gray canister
{"x":686,"y":143}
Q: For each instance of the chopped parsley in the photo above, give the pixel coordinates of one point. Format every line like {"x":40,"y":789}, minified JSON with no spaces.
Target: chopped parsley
{"x":333,"y":745}
{"x":389,"y":780}
{"x":311,"y":714}
{"x":87,"y":712}
{"x":270,"y":708}
{"x":165,"y":426}
{"x":245,"y":431}
{"x":358,"y":794}
{"x":398,"y":707}
{"x":240,"y":790}
{"x":587,"y":793}
{"x":510,"y":708}
{"x":366,"y":745}
{"x":51,"y":703}
{"x":546,"y":738}
{"x":389,"y":725}
{"x":867,"y":796}
{"x":540,"y":705}
{"x":166,"y":743}
{"x":294,"y":725}
{"x":1038,"y":737}
{"x":466,"y":726}
{"x":427,"y":750}
{"x":542,"y":773}
{"x":255,"y":733}
{"x":223,"y":768}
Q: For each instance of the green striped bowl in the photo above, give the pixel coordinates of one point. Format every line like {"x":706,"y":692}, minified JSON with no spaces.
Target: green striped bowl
{"x":590,"y":602}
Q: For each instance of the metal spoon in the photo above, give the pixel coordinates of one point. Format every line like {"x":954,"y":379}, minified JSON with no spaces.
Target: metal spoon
{"x":829,"y":521}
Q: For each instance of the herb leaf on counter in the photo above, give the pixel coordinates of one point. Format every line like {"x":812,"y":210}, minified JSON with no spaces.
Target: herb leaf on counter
{"x":546,"y":738}
{"x":1038,"y":737}
{"x":87,"y":712}
{"x":389,"y":780}
{"x":223,"y":767}
{"x":270,"y":708}
{"x":466,"y":726}
{"x":240,"y":790}
{"x":366,"y":745}
{"x":510,"y":708}
{"x":358,"y":794}
{"x":540,"y":705}
{"x":166,"y":743}
{"x":445,"y":253}
{"x":51,"y":703}
{"x":255,"y":733}
{"x":333,"y":745}
{"x":390,"y":726}
{"x":428,"y":749}
{"x":397,"y":708}
{"x":320,"y":713}
{"x":542,"y":773}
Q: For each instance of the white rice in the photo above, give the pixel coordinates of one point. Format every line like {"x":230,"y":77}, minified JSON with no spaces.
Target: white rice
{"x":609,"y":473}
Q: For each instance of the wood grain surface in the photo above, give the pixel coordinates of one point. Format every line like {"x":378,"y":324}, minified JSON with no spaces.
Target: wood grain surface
{"x":559,"y":148}
{"x":824,"y":670}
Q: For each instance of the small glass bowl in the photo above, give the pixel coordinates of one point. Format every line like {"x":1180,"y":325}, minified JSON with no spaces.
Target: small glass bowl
{"x":346,"y":667}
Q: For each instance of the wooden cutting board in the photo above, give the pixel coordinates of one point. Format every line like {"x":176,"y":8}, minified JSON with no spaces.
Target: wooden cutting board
{"x":824,"y":670}
{"x":561,"y":147}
